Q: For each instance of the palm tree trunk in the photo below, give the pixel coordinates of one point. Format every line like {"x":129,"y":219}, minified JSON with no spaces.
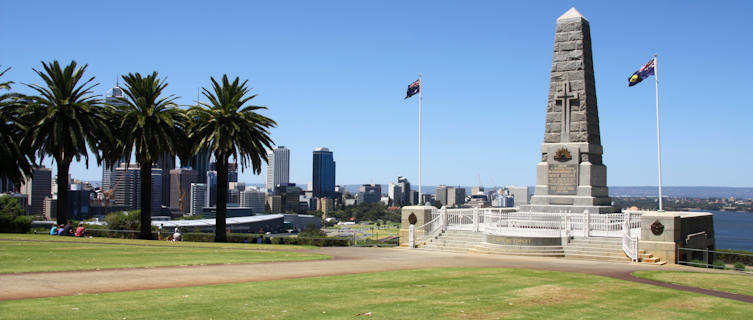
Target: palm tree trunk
{"x":220,"y":235}
{"x":61,"y":210}
{"x":146,"y":200}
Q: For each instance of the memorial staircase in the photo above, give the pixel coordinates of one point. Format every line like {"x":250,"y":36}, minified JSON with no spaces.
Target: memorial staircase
{"x":596,"y":248}
{"x":593,"y":248}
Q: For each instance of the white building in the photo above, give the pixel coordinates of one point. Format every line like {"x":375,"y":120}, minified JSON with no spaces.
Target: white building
{"x":198,"y":198}
{"x":278,"y":168}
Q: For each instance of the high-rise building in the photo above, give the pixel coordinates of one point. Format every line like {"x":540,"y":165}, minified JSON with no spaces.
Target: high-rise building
{"x":127,"y":191}
{"x":324,"y":173}
{"x":232,"y":170}
{"x":405,"y":191}
{"x":442,"y":194}
{"x":254,"y":199}
{"x":166,"y":162}
{"x":455,"y":196}
{"x":290,"y":197}
{"x":278,"y":167}
{"x":180,"y":187}
{"x":6,"y":185}
{"x":521,"y":195}
{"x":200,"y":163}
{"x":37,"y":186}
{"x":211,"y":182}
{"x":198,"y":198}
{"x":395,"y":193}
{"x":274,"y":203}
{"x":108,"y":175}
{"x":369,"y":193}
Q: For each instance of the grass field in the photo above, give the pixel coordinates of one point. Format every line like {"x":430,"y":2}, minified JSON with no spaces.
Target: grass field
{"x":457,"y":293}
{"x":102,"y":253}
{"x":735,"y":283}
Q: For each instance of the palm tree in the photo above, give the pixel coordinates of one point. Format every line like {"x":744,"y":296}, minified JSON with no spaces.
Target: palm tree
{"x":149,"y":124}
{"x":66,"y":121}
{"x":15,"y":159}
{"x":227,"y":126}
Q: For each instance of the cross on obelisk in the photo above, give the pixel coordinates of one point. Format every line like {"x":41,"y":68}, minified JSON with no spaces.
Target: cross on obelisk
{"x":565,"y":121}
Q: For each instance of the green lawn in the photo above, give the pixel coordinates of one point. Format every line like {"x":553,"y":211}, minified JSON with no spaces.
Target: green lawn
{"x":735,"y":283}
{"x":45,"y":237}
{"x":456,"y":293}
{"x":101,"y":253}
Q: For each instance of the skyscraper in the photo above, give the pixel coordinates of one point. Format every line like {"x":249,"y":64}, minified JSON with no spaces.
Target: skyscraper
{"x":254,"y":199}
{"x":166,"y":162}
{"x":37,"y":187}
{"x":127,"y":191}
{"x":211,"y":182}
{"x":324,"y":173}
{"x":395,"y":192}
{"x":112,"y":97}
{"x":198,"y":198}
{"x":180,"y":188}
{"x":442,"y":194}
{"x":405,"y":190}
{"x":278,"y":167}
{"x":200,"y":163}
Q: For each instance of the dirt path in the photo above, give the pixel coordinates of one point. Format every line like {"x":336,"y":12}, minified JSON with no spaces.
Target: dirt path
{"x":346,"y":260}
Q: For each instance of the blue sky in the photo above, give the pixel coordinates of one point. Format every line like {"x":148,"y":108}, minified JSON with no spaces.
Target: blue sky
{"x":334,"y":74}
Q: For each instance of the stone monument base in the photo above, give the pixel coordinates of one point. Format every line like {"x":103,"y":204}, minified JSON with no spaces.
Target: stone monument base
{"x":413,"y":215}
{"x":553,"y":208}
{"x":663,"y":233}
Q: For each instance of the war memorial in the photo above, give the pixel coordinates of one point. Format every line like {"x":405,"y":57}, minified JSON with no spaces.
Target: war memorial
{"x":570,"y":213}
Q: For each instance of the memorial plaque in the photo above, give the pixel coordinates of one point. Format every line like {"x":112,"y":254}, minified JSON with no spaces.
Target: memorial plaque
{"x":563,"y":179}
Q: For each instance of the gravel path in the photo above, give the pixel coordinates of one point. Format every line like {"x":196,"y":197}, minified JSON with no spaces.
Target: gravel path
{"x":346,"y":260}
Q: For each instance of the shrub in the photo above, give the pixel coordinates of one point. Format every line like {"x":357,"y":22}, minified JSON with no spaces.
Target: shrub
{"x":697,"y":263}
{"x":718,"y":264}
{"x":739,"y":266}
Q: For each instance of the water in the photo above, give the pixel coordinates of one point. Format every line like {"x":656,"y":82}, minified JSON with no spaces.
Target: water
{"x":734,"y":230}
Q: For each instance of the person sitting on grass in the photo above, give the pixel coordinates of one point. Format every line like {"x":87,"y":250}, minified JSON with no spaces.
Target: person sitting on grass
{"x":177,"y":236}
{"x":61,"y":228}
{"x":54,"y":230}
{"x":80,"y":231}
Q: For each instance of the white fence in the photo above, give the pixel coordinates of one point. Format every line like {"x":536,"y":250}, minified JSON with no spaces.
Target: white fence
{"x":501,"y":222}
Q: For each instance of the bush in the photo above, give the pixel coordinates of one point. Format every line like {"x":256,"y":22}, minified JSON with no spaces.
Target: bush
{"x":697,"y":263}
{"x":719,"y":264}
{"x":18,"y":224}
{"x":733,"y":256}
{"x":123,"y":220}
{"x":739,"y":266}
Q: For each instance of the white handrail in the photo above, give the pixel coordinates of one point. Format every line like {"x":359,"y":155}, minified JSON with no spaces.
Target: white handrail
{"x":629,"y":244}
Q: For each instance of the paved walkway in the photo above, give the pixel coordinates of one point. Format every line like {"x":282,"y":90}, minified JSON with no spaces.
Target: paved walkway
{"x":346,"y":260}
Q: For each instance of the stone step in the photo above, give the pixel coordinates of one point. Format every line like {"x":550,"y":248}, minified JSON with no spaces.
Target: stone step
{"x":445,"y":249}
{"x":594,"y":253}
{"x":650,"y":260}
{"x":517,"y":252}
{"x":589,"y":247}
{"x":460,"y":238}
{"x":597,"y":257}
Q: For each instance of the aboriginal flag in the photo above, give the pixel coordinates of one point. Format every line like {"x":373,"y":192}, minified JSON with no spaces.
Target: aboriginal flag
{"x":413,"y":89}
{"x":642,"y":73}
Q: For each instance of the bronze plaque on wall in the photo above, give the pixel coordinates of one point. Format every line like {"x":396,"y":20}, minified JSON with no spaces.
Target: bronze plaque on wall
{"x":563,"y":179}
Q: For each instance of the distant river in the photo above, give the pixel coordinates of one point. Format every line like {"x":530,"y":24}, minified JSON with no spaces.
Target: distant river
{"x":734,"y":230}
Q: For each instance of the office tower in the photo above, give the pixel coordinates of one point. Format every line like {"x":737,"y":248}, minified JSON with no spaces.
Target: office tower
{"x":405,"y":191}
{"x":211,"y":182}
{"x":395,"y":192}
{"x":274,"y":203}
{"x":166,"y":162}
{"x":325,"y":205}
{"x":127,"y":191}
{"x":442,"y":194}
{"x":290,"y":197}
{"x":37,"y":186}
{"x":232,"y":170}
{"x":278,"y":167}
{"x":200,"y":163}
{"x":455,"y":196}
{"x":198,"y":198}
{"x":324,"y":173}
{"x":6,"y":185}
{"x":254,"y":199}
{"x":521,"y":194}
{"x":50,"y":208}
{"x":180,"y":188}
{"x":369,"y":193}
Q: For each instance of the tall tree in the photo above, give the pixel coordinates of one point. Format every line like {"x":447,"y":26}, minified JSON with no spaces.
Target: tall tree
{"x":226,"y":126}
{"x":150,"y":123}
{"x":66,"y":121}
{"x":15,"y":159}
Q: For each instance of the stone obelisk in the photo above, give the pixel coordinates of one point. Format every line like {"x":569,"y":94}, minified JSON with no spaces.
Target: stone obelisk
{"x":571,"y":176}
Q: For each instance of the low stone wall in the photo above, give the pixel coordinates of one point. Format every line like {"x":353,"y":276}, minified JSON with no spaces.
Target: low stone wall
{"x":522,"y":241}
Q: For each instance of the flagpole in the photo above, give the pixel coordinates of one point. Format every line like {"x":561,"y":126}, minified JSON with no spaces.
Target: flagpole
{"x":658,"y":130}
{"x":420,"y":92}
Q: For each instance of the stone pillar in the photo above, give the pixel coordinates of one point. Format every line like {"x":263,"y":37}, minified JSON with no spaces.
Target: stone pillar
{"x":571,"y":174}
{"x":413,"y":215}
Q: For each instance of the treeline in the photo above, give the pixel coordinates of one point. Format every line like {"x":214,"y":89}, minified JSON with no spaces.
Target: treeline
{"x":364,"y":212}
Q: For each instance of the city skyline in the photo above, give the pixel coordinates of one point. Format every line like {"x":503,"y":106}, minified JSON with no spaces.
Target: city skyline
{"x":335,"y":75}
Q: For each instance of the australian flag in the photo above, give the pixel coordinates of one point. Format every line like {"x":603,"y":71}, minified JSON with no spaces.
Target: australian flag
{"x":642,"y":73}
{"x":413,"y":89}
